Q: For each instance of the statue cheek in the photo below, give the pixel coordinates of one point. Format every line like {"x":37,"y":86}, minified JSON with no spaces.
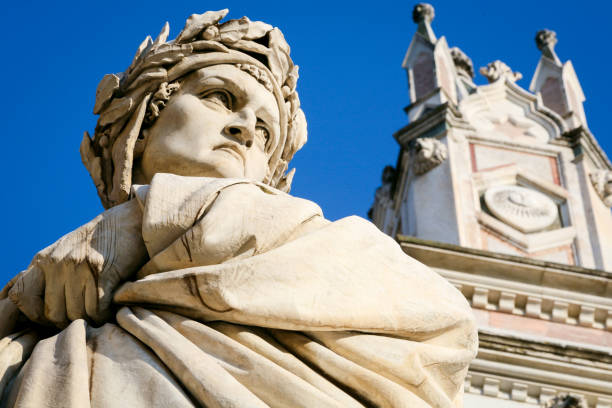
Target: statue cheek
{"x":256,"y":165}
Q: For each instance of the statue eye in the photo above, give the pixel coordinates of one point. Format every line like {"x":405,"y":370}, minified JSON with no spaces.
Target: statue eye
{"x":262,"y":135}
{"x":219,"y":97}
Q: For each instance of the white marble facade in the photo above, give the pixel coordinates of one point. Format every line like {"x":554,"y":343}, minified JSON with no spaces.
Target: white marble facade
{"x":506,"y":193}
{"x":464,"y":140}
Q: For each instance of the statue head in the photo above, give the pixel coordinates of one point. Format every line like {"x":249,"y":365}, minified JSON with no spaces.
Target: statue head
{"x":217,"y":101}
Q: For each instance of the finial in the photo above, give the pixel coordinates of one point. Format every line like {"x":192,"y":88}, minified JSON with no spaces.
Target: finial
{"x":546,"y":40}
{"x":463,"y":63}
{"x":423,"y":12}
{"x":499,"y":70}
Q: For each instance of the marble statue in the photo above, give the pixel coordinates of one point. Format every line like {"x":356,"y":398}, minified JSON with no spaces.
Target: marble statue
{"x":205,"y":283}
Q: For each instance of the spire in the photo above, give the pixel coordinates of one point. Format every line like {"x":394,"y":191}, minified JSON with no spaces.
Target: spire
{"x":432,"y":75}
{"x":557,"y":83}
{"x":423,"y":14}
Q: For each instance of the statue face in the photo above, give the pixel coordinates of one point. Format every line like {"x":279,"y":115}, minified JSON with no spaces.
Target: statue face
{"x":220,"y":123}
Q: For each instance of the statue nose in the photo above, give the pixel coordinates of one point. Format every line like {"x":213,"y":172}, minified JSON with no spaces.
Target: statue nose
{"x":241,"y":133}
{"x":242,"y":127}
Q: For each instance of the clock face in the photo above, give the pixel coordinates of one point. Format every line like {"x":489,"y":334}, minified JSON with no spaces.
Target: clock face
{"x":522,"y":208}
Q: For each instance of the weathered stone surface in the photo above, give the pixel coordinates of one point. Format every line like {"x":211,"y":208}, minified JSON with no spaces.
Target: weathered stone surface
{"x":205,"y":285}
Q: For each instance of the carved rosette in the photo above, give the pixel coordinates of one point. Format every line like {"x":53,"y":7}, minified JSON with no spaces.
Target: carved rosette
{"x":566,"y":401}
{"x":497,"y":70}
{"x":428,"y":153}
{"x":602,"y":181}
{"x":522,"y":208}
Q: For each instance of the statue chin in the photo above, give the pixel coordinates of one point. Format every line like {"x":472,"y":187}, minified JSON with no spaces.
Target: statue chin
{"x":205,"y":283}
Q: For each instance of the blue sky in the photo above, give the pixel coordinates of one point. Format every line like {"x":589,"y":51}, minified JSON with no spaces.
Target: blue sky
{"x":352,"y":89}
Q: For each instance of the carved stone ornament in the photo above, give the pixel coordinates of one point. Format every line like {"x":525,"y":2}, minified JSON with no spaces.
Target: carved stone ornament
{"x":463,"y":63}
{"x":499,"y":70}
{"x":522,"y":208}
{"x":384,"y":194}
{"x":602,"y":181}
{"x":545,"y":38}
{"x":546,"y":41}
{"x":566,"y":401}
{"x":428,"y":153}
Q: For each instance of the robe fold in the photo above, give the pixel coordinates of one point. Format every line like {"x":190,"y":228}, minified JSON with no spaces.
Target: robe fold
{"x":250,"y":298}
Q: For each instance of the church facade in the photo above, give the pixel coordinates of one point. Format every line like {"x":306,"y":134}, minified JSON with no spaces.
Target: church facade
{"x":505,"y":192}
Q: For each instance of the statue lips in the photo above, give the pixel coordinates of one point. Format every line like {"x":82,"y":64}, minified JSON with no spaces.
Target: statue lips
{"x":234,"y":150}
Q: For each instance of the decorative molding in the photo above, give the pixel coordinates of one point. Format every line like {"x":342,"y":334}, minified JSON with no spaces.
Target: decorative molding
{"x":520,"y":286}
{"x":528,"y":392}
{"x":434,"y":123}
{"x":549,"y":150}
{"x":491,"y":97}
{"x":518,"y":300}
{"x":529,"y":243}
{"x":534,"y":371}
{"x":602,"y":181}
{"x":583,"y":143}
{"x":479,"y":262}
{"x":566,"y":401}
{"x":513,"y":174}
{"x":428,"y":153}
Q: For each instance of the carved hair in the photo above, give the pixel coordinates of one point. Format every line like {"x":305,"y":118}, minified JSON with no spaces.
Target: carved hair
{"x":131,"y":101}
{"x":158,"y":102}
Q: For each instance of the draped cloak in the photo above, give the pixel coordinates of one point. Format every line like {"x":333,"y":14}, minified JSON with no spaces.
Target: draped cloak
{"x":248,"y":297}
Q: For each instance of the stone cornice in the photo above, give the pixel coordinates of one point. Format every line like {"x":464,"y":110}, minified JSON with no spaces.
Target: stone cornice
{"x":583,"y":142}
{"x":524,"y":369}
{"x":507,"y":90}
{"x":431,"y":124}
{"x":523,"y":287}
{"x":551,"y":349}
{"x":508,"y":263}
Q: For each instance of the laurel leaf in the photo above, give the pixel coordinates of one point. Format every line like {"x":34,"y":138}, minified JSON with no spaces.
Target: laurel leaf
{"x":163,"y":35}
{"x":198,"y":22}
{"x":257,"y":29}
{"x":117,"y":109}
{"x":233,"y":30}
{"x":107,"y":86}
{"x":142,"y":49}
{"x":208,"y":45}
